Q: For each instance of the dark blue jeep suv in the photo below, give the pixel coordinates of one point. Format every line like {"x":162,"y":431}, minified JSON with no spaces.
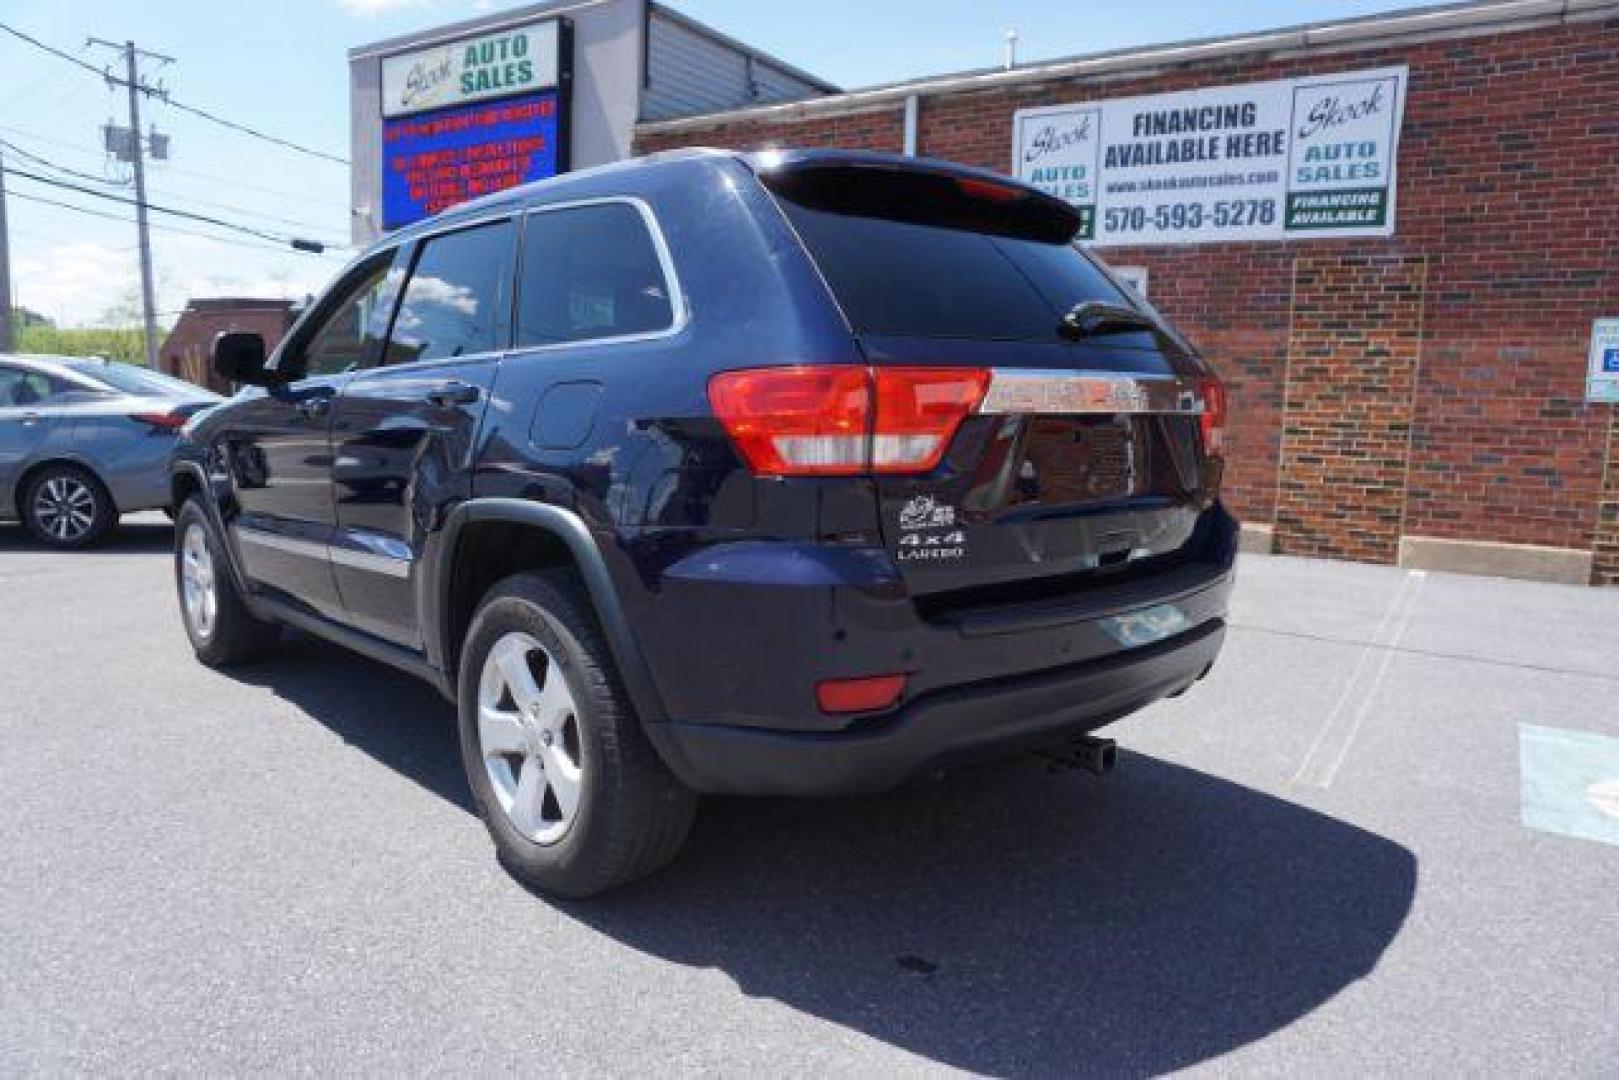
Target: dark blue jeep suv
{"x":788,"y":473}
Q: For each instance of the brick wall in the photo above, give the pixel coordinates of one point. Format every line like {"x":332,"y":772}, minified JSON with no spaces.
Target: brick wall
{"x":1505,"y":201}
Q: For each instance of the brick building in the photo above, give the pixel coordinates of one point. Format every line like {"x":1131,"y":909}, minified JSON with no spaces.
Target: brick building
{"x":184,"y":353}
{"x":1416,"y":398}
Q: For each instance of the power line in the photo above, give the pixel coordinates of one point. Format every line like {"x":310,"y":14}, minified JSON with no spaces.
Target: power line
{"x":243,"y":128}
{"x":58,"y":53}
{"x":163,"y":96}
{"x":307,"y":226}
{"x":248,"y":230}
{"x":39,"y":161}
{"x":88,"y":212}
{"x":170,"y":167}
{"x":47,"y":163}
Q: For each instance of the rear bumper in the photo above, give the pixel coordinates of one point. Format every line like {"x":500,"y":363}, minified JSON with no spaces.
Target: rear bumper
{"x":738,"y":636}
{"x":938,"y":730}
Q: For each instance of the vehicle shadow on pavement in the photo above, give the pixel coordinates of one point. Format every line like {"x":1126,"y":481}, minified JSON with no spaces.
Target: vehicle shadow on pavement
{"x":396,"y":719}
{"x":1009,"y":921}
{"x":1005,"y":920}
{"x":131,"y":538}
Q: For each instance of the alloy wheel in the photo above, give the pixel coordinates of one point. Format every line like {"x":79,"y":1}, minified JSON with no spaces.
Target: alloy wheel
{"x":198,"y":590}
{"x":65,"y":508}
{"x":528,"y":733}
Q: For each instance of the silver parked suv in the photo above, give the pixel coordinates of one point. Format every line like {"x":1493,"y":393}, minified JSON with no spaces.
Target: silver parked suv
{"x":83,"y":440}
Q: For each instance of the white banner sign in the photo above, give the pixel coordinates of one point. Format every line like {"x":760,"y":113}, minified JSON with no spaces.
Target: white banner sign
{"x":513,"y":61}
{"x":1284,"y":160}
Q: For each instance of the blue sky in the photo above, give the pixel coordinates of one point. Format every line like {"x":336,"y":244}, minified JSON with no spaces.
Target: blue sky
{"x":279,"y":65}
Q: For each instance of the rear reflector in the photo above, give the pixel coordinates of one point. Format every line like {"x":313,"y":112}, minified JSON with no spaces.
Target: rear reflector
{"x":859,"y":695}
{"x":161,"y":419}
{"x":1212,"y":422}
{"x":845,"y":420}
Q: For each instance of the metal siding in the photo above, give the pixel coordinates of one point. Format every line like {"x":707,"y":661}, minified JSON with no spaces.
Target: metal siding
{"x":690,"y":74}
{"x":777,"y":85}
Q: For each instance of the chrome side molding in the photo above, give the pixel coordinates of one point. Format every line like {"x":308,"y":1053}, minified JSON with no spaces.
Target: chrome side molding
{"x":375,"y":554}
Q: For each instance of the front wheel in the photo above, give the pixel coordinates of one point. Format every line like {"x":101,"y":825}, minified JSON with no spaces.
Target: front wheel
{"x":574,"y":796}
{"x":222,"y":631}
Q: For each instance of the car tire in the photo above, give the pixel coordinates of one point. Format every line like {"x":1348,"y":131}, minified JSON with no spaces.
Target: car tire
{"x":573,"y":794}
{"x":223,"y":632}
{"x":67,"y":507}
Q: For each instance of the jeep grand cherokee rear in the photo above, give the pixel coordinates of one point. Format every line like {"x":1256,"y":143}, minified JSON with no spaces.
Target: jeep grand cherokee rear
{"x":1015,"y":479}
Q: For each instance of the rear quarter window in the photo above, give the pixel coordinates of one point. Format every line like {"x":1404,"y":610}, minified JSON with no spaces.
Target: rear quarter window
{"x":591,"y":273}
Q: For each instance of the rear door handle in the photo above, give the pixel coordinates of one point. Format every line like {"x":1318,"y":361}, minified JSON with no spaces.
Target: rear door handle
{"x":314,"y":408}
{"x":454,"y":392}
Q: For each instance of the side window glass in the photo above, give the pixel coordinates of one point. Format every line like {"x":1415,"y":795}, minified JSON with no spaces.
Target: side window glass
{"x":590,"y":272}
{"x":456,"y":301}
{"x":11,"y":379}
{"x":21,"y":389}
{"x":346,"y":339}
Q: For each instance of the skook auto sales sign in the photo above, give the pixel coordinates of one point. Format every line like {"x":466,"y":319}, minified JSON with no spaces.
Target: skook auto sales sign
{"x":471,"y":117}
{"x":1283,"y":160}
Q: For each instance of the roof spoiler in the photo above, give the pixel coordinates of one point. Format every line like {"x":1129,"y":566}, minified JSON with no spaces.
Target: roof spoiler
{"x":921,"y":190}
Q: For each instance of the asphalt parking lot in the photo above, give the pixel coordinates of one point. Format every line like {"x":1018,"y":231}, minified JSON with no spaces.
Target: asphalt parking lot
{"x":1373,"y":842}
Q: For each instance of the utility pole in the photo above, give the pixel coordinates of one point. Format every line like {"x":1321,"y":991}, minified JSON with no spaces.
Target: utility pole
{"x":137,"y":157}
{"x":8,"y":341}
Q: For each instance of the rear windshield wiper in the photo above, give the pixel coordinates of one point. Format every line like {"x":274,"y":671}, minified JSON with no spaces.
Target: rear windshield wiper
{"x":1090,"y":317}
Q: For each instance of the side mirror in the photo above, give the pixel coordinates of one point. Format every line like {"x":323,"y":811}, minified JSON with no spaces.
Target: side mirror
{"x":239,"y":357}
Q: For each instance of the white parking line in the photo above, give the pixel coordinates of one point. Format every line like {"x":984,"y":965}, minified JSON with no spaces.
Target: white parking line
{"x":1331,"y":745}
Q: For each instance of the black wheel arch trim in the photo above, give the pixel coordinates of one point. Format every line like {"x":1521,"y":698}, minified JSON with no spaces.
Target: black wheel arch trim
{"x":438,"y":575}
{"x":210,"y":510}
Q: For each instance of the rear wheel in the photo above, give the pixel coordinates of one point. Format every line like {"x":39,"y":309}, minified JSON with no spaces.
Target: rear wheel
{"x":574,"y":796}
{"x":65,"y":506}
{"x":222,"y":631}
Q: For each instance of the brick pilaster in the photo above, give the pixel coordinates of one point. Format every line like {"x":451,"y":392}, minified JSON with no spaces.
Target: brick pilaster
{"x":1605,"y":565}
{"x":1353,"y":352}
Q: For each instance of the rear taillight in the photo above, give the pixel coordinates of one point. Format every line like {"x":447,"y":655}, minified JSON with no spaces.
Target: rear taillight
{"x":167,"y":420}
{"x":844,"y":420}
{"x":1212,"y":421}
{"x":799,"y":421}
{"x":918,"y":412}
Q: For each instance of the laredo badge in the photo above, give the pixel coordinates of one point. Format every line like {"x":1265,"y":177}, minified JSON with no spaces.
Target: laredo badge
{"x":928,"y":532}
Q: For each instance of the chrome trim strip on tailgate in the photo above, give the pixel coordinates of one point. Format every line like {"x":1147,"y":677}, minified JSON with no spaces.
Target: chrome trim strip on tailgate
{"x":1029,"y":390}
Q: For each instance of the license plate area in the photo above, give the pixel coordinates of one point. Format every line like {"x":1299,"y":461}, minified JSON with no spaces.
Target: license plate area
{"x":1069,"y":460}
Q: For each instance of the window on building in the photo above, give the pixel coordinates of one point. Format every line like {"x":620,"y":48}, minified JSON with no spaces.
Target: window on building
{"x":590,"y":272}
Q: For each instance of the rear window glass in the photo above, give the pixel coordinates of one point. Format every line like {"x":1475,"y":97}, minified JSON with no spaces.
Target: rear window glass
{"x":131,"y":379}
{"x":894,"y":272}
